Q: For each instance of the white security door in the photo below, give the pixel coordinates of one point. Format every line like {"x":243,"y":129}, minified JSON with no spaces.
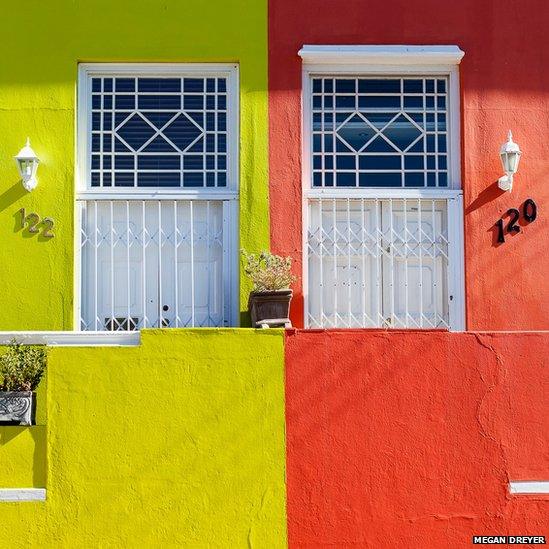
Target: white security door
{"x":379,"y":263}
{"x":415,"y":265}
{"x":158,"y":202}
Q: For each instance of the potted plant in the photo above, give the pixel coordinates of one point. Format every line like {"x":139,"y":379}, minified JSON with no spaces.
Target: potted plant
{"x":21,"y":369}
{"x":269,"y":302}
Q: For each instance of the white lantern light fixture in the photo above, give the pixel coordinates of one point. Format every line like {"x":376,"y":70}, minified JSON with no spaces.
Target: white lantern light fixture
{"x":27,"y":163}
{"x":510,"y":156}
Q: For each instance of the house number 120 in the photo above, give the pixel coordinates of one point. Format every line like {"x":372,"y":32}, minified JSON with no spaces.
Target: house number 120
{"x":33,"y":222}
{"x":529,"y":214}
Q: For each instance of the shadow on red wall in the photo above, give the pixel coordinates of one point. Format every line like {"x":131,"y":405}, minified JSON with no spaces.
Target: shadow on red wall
{"x":409,"y":439}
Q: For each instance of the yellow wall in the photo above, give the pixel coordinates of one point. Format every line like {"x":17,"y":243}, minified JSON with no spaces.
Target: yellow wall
{"x":178,"y":442}
{"x":42,"y":43}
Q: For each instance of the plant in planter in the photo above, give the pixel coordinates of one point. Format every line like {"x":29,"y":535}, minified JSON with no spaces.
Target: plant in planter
{"x":269,"y":302}
{"x":21,"y":369}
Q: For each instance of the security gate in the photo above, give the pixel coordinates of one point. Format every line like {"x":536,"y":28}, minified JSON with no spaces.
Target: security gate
{"x":157,"y":196}
{"x":381,"y":262}
{"x":154,"y":263}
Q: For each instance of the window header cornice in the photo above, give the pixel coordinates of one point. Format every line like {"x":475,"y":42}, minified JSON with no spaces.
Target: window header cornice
{"x":382,"y":55}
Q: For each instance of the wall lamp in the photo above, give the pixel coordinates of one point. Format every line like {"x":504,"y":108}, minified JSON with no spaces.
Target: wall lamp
{"x":27,"y":164}
{"x":510,"y":156}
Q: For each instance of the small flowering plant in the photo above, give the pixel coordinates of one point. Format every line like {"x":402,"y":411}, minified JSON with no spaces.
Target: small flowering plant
{"x":268,"y":272}
{"x":22,"y":367}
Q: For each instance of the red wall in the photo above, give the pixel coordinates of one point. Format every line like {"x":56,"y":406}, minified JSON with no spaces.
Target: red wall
{"x":505,"y":84}
{"x":409,"y":439}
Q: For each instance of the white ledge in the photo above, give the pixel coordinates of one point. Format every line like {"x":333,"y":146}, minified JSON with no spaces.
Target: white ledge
{"x":529,"y":487}
{"x":73,"y":339}
{"x":382,"y":55}
{"x":22,"y":494}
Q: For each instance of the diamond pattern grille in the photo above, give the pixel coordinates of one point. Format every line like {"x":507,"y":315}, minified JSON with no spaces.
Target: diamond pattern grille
{"x":379,"y":132}
{"x":160,"y":132}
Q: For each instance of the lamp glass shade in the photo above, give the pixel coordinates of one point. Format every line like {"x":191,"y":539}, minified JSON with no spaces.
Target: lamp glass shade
{"x":510,"y":161}
{"x":510,"y":155}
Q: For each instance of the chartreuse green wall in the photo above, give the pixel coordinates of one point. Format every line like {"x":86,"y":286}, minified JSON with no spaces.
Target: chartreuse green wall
{"x":42,"y":43}
{"x":177,"y":442}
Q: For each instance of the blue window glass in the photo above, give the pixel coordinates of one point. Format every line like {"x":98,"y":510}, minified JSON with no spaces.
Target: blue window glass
{"x":124,"y":162}
{"x":122,"y":179}
{"x":373,"y":85}
{"x":125,"y":84}
{"x":193,"y":162}
{"x":159,"y":179}
{"x":345,"y":162}
{"x":159,"y":84}
{"x":413,"y":86}
{"x":414,"y":180}
{"x":124,"y":102}
{"x":380,"y":180}
{"x":193,"y":85}
{"x":345,"y":86}
{"x":345,"y":179}
{"x":193,"y":179}
{"x":160,"y":102}
{"x":413,"y":162}
{"x":376,"y":162}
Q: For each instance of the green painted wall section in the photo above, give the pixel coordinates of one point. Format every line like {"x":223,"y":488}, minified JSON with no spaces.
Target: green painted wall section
{"x":42,"y":43}
{"x":176,"y":443}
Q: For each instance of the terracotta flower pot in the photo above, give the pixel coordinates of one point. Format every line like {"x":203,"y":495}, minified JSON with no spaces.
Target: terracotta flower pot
{"x":265,"y":306}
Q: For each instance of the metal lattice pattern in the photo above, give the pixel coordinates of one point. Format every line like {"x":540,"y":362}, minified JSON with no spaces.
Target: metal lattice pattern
{"x":378,"y":263}
{"x":379,"y":132}
{"x":159,"y":132}
{"x":153,"y":263}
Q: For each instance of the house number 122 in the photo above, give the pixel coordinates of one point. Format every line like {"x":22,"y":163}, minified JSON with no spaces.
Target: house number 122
{"x":33,"y":221}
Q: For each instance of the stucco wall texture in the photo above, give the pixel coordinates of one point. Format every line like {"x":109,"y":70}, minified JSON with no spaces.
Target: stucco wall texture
{"x":504,"y":85}
{"x":38,"y":77}
{"x":409,"y":439}
{"x":176,"y":443}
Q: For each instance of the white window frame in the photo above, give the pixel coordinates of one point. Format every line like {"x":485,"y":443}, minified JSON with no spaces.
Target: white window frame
{"x":229,"y":194}
{"x":320,"y":60}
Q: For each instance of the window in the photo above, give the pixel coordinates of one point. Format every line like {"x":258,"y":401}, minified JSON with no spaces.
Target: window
{"x":157,"y":196}
{"x":382,"y":187}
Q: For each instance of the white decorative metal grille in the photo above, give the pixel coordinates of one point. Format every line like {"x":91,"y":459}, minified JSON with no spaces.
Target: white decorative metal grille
{"x":378,"y":263}
{"x":379,"y":132}
{"x":159,"y":132}
{"x":154,"y":263}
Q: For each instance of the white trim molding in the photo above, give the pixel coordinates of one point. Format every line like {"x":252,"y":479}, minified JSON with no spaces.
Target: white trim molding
{"x":22,"y":494}
{"x":73,"y":339}
{"x":382,"y":55}
{"x":534,"y":487}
